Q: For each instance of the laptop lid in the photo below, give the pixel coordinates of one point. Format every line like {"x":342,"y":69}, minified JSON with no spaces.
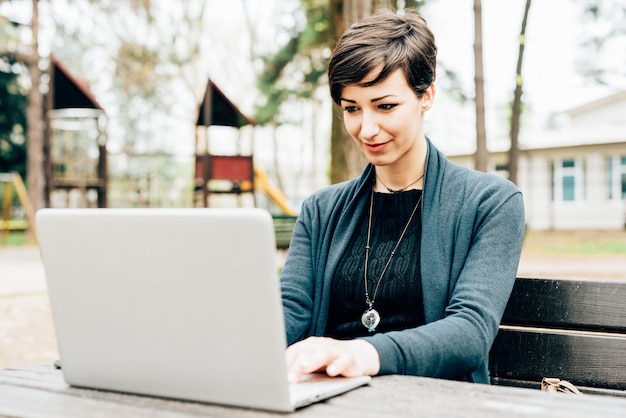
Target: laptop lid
{"x":180,"y":303}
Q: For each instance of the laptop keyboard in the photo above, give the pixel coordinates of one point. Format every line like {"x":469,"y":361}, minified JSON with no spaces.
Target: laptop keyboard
{"x":312,"y":384}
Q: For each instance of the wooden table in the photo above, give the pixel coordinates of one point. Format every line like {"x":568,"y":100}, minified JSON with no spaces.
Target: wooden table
{"x":40,"y":391}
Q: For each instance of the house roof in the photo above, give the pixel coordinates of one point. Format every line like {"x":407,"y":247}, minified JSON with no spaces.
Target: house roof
{"x":596,"y":104}
{"x":597,"y":123}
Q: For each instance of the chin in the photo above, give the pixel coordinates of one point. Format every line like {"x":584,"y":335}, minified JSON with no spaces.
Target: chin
{"x":379,"y":162}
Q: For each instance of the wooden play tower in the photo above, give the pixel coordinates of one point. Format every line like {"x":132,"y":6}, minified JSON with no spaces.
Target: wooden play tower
{"x":75,"y":158}
{"x":215,"y":173}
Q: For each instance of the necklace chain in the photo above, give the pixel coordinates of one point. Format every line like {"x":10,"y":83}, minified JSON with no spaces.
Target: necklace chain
{"x":370,"y":302}
{"x":402,"y":189}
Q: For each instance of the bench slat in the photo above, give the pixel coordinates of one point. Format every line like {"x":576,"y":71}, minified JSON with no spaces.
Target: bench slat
{"x":569,"y":304}
{"x":573,"y":330}
{"x":501,"y":381}
{"x":586,"y":359}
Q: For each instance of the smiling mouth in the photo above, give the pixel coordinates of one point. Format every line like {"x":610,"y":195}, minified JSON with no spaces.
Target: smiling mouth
{"x":375,"y":147}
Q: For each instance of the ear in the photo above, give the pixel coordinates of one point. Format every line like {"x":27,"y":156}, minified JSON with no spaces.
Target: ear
{"x":428,"y":98}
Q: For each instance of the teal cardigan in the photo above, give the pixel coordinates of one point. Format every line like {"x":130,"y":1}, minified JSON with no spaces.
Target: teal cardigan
{"x":472,"y":232}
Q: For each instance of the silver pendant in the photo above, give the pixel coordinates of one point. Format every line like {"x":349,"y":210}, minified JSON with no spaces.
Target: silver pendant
{"x":370,"y":319}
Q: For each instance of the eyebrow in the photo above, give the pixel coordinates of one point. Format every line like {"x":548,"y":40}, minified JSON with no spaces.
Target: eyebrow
{"x":374,"y":100}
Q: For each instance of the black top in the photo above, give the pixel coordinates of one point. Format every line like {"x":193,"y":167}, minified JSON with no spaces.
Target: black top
{"x":399,"y":298}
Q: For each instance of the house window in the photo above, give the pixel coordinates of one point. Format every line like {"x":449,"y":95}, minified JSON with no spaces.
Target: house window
{"x":616,"y":178}
{"x":552,"y":185}
{"x":569,"y":185}
{"x":568,"y":178}
{"x":623,"y":177}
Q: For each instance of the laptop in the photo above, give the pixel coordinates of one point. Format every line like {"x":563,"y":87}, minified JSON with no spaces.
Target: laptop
{"x":176,"y":303}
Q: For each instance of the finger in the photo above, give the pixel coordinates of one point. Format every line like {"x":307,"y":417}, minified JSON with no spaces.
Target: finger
{"x":342,"y":365}
{"x":290,"y":355}
{"x":304,"y":365}
{"x":316,"y":360}
{"x":300,"y":358}
{"x":294,"y":370}
{"x":294,"y":354}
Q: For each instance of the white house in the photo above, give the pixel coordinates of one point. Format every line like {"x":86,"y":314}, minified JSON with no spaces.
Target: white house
{"x":573,"y":177}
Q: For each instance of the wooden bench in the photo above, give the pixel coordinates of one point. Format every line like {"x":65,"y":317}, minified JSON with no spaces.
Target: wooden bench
{"x":283,"y":228}
{"x":574,"y":330}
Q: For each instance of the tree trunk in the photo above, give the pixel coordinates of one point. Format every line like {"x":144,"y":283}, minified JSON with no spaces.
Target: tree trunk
{"x":347,"y":161}
{"x":481,"y":157}
{"x":35,"y":123}
{"x":517,"y":102}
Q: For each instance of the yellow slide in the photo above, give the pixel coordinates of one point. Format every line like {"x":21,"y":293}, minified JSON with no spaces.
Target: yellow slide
{"x":262,"y":182}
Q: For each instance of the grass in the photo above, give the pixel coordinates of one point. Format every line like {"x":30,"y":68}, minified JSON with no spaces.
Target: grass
{"x":576,"y":242}
{"x":14,"y":239}
{"x":536,"y":242}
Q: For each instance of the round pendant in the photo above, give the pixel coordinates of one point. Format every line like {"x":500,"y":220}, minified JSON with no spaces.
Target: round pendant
{"x":370,"y":319}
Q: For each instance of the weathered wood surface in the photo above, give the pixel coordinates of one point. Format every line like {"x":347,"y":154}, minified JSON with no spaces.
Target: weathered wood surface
{"x":39,"y":391}
{"x":573,"y":330}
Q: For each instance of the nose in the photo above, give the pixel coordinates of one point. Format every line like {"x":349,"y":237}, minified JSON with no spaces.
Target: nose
{"x":369,"y":126}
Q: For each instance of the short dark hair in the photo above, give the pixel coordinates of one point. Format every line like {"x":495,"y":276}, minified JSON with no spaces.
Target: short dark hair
{"x":396,"y":41}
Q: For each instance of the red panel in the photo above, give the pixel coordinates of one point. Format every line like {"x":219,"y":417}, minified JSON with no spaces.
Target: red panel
{"x":199,"y":165}
{"x":231,"y":168}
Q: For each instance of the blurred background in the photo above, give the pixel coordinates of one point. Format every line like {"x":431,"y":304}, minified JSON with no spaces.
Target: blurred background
{"x":125,"y":103}
{"x":206,"y":103}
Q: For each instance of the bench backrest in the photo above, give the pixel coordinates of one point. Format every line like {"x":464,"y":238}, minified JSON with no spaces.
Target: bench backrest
{"x":574,"y":330}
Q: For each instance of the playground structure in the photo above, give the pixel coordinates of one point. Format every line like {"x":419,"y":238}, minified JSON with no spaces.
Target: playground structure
{"x":75,"y":157}
{"x":12,"y":181}
{"x":232,"y":174}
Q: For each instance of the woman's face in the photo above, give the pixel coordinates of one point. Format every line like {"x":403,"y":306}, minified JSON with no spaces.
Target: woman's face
{"x":387,"y":119}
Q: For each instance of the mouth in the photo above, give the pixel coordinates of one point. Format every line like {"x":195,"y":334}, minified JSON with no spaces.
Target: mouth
{"x":376,"y":147}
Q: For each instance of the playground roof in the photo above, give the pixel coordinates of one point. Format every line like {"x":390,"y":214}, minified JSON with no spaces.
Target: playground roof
{"x":223,"y":112}
{"x":67,"y":91}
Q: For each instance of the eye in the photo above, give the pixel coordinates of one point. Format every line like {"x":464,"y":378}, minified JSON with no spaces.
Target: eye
{"x":350,"y":109}
{"x":387,"y":106}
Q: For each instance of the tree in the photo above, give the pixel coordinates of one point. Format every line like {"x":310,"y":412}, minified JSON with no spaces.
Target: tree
{"x":13,"y":102}
{"x":151,"y":46}
{"x":28,"y":56}
{"x":481,"y":156}
{"x":35,"y":119}
{"x":347,"y":161}
{"x":294,"y":73}
{"x":602,"y":23}
{"x":21,"y":112}
{"x":298,"y":68}
{"x":517,"y":101}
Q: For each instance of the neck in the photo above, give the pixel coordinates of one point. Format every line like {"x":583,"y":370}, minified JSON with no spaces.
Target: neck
{"x":406,"y":172}
{"x":387,"y":182}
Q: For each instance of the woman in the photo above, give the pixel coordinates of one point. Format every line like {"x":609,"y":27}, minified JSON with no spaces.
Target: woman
{"x":408,"y":268}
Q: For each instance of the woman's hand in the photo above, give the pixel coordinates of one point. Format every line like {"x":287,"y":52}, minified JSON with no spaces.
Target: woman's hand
{"x":336,"y":357}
